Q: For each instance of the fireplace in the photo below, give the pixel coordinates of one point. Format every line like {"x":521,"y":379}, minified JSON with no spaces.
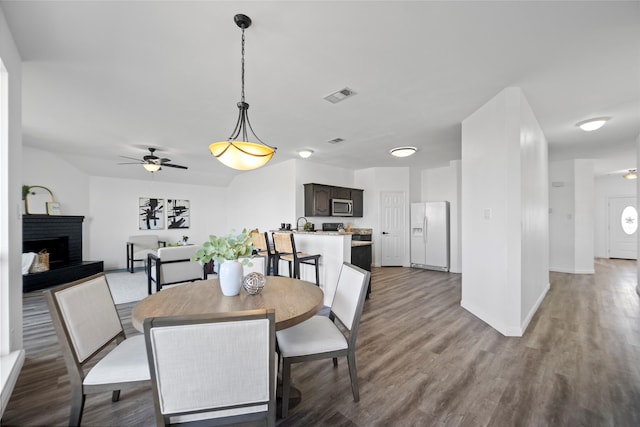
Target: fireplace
{"x":58,"y":249}
{"x":61,"y":236}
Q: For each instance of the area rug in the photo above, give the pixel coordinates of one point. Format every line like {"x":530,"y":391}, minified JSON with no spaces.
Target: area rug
{"x":127,"y":287}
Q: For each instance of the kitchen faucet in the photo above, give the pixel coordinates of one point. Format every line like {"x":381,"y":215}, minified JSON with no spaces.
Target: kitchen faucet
{"x":298,"y":222}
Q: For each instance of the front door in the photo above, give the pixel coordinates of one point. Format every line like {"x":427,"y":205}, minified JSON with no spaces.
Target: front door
{"x":392,"y":227}
{"x":623,"y":228}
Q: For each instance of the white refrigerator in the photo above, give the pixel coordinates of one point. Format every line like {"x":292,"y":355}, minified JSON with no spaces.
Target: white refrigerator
{"x":430,"y":235}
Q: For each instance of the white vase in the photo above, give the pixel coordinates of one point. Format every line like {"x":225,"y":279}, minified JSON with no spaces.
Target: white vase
{"x":230,"y":277}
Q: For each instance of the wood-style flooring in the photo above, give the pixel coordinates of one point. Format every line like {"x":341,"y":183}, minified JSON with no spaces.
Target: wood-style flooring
{"x":422,"y":361}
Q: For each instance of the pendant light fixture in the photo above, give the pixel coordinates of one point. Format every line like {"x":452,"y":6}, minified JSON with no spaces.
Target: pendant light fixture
{"x":237,"y":153}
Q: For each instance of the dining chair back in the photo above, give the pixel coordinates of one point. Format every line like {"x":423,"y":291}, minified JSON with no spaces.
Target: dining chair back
{"x":219,"y":367}
{"x":261,"y":243}
{"x":285,"y":249}
{"x":320,"y":337}
{"x":86,"y":322}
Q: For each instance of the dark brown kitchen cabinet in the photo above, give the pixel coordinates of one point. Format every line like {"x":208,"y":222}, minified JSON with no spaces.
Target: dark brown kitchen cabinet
{"x":317,"y":200}
{"x":341,"y":193}
{"x":358,"y":201}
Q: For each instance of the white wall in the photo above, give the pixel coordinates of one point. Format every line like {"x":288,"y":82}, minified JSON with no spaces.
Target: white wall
{"x":571,"y":216}
{"x":11,"y":198}
{"x":584,"y":217}
{"x":68,"y":184}
{"x":637,"y":193}
{"x":443,"y":184}
{"x":262,"y":198}
{"x":606,"y":187}
{"x":504,"y":213}
{"x":12,"y":354}
{"x":114,"y":214}
{"x":374,"y":181}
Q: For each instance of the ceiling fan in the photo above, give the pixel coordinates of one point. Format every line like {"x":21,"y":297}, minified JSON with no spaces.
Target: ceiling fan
{"x":151,"y":162}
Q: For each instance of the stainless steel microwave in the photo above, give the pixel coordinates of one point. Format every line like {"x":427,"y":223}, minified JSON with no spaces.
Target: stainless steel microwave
{"x":341,"y":207}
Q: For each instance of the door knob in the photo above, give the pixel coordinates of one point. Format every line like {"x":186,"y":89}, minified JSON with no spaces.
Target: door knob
{"x":384,"y":232}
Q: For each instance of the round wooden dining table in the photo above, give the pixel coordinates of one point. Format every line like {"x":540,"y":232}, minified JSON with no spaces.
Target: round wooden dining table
{"x":293,"y":300}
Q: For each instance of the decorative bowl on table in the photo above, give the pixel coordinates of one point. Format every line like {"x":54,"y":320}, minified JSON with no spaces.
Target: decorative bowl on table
{"x":253,"y":283}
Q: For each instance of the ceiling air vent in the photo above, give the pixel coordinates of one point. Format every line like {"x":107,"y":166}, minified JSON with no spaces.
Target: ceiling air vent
{"x":340,"y":95}
{"x":335,"y":140}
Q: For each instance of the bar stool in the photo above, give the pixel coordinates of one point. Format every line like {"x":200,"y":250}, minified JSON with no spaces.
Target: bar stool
{"x":261,"y":243}
{"x":285,"y":248}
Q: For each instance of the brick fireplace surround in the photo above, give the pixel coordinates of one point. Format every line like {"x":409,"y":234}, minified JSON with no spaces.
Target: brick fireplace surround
{"x":61,"y":236}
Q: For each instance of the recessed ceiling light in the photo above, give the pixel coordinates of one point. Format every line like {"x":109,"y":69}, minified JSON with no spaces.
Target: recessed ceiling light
{"x":403,"y":151}
{"x":305,"y":153}
{"x":592,"y":124}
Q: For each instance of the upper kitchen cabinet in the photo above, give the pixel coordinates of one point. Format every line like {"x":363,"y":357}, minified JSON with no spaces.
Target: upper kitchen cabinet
{"x":317,"y":199}
{"x":340,"y":193}
{"x":358,"y":202}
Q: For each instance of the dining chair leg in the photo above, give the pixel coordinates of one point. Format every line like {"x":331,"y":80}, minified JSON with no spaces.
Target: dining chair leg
{"x":353,"y":373}
{"x":335,"y":362}
{"x":286,"y":384}
{"x":115,"y":396}
{"x":77,"y":406}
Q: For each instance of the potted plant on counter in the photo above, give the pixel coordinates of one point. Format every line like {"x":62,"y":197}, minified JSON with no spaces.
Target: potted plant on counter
{"x":225,"y":250}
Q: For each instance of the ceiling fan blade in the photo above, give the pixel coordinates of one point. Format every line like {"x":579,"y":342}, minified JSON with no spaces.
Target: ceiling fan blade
{"x":165,"y":160}
{"x":174,"y":166}
{"x":130,"y":158}
{"x":131,"y":163}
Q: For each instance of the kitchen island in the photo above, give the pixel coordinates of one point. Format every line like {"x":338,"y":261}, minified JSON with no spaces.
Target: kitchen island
{"x":334,"y":248}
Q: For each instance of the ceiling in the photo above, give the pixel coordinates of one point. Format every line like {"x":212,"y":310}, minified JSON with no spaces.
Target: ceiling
{"x":109,"y":79}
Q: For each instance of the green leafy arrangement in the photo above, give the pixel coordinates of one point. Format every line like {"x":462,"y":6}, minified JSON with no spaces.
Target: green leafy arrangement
{"x":229,"y":247}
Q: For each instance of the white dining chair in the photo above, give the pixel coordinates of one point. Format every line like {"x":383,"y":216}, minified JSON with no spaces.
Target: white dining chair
{"x":86,"y":322}
{"x":213,"y":369}
{"x":320,"y":338}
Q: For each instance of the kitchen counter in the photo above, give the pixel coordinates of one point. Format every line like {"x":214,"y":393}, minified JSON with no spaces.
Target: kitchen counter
{"x":334,"y":249}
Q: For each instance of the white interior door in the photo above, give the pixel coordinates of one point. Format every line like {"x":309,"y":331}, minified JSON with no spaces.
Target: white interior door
{"x":392,"y":227}
{"x":623,"y":228}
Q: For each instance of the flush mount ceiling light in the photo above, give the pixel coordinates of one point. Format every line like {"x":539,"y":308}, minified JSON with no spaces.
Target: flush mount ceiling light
{"x":242,"y":154}
{"x":403,"y":151}
{"x":632,"y":174}
{"x":305,"y":153}
{"x":592,"y":124}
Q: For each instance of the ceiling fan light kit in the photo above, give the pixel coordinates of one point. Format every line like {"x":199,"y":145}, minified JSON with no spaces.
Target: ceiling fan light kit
{"x":242,"y":155}
{"x":151,"y":167}
{"x":632,"y":174}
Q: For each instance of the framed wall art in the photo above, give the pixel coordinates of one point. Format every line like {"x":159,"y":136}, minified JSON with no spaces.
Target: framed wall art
{"x":178,"y":213}
{"x":150,"y":214}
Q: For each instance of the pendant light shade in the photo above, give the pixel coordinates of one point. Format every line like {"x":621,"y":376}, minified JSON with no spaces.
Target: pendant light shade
{"x":241,"y":154}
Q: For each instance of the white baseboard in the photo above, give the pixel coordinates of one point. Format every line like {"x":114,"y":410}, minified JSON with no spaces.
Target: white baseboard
{"x":571,"y":270}
{"x":525,"y":322}
{"x":506,"y":330}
